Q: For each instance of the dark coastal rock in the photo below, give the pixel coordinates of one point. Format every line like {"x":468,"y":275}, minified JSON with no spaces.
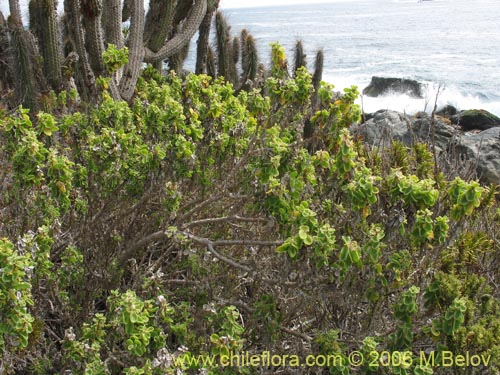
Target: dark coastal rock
{"x":382,"y":85}
{"x":484,"y":149}
{"x":447,"y":111}
{"x":475,"y":119}
{"x":386,"y":125}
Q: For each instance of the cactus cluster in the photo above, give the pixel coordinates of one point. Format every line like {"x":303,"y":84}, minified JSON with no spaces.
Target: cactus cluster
{"x":158,"y":37}
{"x":235,"y":57}
{"x":86,"y":29}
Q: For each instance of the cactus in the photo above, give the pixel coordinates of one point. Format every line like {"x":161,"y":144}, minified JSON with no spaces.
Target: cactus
{"x":169,"y":27}
{"x":23,"y":46}
{"x":126,"y":10}
{"x":236,"y":50}
{"x":203,"y":39}
{"x":94,"y":39}
{"x":300,"y":56}
{"x":136,"y":48}
{"x":211,"y":66}
{"x":316,"y":81}
{"x":159,"y":24}
{"x":112,"y":23}
{"x":5,"y":67}
{"x":27,"y":76}
{"x":177,"y":61}
{"x":15,"y":13}
{"x":317,"y":76}
{"x":85,"y":75}
{"x":249,"y":60}
{"x":182,"y":36}
{"x":226,"y":56}
{"x":43,"y":23}
{"x":223,"y":48}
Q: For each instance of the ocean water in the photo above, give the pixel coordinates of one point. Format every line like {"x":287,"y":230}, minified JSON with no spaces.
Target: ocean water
{"x":449,"y":44}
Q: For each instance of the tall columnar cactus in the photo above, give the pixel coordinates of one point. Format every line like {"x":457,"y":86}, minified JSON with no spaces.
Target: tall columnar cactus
{"x":126,"y":10}
{"x":223,"y":38}
{"x":94,"y":34}
{"x":211,"y":65}
{"x":85,"y":76}
{"x":28,"y":79}
{"x":176,"y":62}
{"x":15,"y":12}
{"x":136,"y":48}
{"x":203,"y":38}
{"x":317,"y":76}
{"x":112,"y":23}
{"x":300,"y":56}
{"x":5,"y":77}
{"x":249,"y":59}
{"x":236,"y":50}
{"x":316,"y":81}
{"x":44,"y":25}
{"x":23,"y":48}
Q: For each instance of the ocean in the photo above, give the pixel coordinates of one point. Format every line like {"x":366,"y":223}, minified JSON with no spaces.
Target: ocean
{"x":452,"y":44}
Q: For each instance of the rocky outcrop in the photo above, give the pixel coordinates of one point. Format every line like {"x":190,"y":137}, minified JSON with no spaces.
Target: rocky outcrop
{"x":475,"y":119}
{"x":381,"y":86}
{"x":481,"y":148}
{"x":484,"y":149}
{"x":386,"y":125}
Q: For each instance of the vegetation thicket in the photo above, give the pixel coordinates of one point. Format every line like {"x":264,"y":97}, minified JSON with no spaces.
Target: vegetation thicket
{"x":233,"y":213}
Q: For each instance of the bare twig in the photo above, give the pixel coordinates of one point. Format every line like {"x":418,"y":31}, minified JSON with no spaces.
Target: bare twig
{"x":303,"y":336}
{"x":217,"y":220}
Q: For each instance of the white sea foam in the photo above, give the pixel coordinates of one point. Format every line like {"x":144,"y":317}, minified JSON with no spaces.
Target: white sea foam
{"x":433,"y":93}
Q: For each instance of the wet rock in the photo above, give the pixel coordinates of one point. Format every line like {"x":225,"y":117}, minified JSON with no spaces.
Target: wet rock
{"x":447,"y":111}
{"x":381,"y":86}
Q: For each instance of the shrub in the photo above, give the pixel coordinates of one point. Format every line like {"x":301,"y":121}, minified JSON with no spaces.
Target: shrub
{"x":199,"y":221}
